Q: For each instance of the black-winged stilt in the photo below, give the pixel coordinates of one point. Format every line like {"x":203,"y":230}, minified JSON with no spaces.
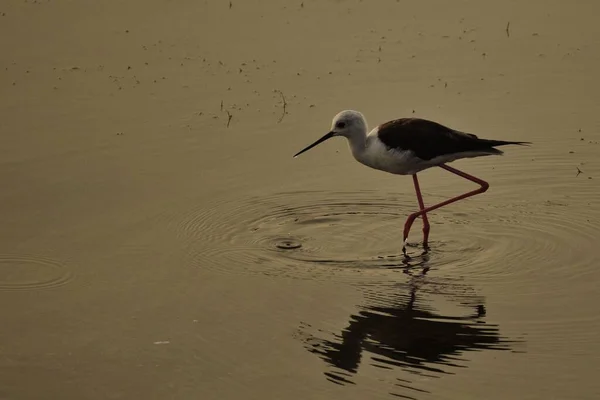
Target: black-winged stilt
{"x":409,"y":145}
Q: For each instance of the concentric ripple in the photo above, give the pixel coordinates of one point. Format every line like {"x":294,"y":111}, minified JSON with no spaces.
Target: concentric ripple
{"x":526,"y":236}
{"x":308,"y":234}
{"x":319,"y":234}
{"x":19,"y":272}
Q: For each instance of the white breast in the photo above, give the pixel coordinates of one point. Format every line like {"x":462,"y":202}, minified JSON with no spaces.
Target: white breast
{"x":377,"y":155}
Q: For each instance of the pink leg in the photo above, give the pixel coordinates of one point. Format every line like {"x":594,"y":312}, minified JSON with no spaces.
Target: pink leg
{"x":422,"y":207}
{"x":411,"y":218}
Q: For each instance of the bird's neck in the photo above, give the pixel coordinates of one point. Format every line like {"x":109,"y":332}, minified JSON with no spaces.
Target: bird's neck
{"x":358,"y":145}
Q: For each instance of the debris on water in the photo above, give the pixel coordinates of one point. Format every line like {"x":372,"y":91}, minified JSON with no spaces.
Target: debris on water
{"x":229,"y":117}
{"x":288,"y":244}
{"x":162,"y":342}
{"x":284,"y":105}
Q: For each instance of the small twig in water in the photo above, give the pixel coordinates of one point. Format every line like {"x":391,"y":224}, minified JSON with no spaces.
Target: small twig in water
{"x":229,"y":116}
{"x":578,"y":171}
{"x":508,"y":29}
{"x":284,"y":105}
{"x":221,"y":105}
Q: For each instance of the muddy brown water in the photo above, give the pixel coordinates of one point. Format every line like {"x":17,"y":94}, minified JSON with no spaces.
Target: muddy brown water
{"x":158,"y":240}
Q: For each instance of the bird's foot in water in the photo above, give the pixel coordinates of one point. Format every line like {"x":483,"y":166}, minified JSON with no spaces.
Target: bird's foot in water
{"x":425,"y":246}
{"x":404,"y":244}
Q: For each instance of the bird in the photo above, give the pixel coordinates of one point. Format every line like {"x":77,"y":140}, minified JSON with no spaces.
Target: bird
{"x":407,"y":146}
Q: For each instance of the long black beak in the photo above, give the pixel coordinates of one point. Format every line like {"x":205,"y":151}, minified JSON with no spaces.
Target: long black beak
{"x":324,"y":138}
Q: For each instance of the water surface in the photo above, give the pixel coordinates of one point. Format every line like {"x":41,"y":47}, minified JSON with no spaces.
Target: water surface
{"x":159,"y":241}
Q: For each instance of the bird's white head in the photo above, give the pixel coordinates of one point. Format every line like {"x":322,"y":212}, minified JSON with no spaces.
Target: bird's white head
{"x":349,"y":124}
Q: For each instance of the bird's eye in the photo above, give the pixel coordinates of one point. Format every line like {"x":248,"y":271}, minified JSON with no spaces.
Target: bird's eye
{"x":340,"y":125}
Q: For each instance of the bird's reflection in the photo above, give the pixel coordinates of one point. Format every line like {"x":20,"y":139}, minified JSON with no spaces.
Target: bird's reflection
{"x":403,"y":330}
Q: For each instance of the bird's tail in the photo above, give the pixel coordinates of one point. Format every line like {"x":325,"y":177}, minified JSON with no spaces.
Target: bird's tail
{"x":496,"y":143}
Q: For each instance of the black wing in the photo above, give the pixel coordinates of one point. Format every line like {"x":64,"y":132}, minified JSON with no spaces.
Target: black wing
{"x":428,"y":139}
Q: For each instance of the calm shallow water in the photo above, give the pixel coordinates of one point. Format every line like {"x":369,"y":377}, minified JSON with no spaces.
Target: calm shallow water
{"x":160,"y":241}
